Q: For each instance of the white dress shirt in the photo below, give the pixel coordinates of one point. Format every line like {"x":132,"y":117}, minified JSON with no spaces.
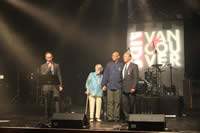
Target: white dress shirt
{"x":125,"y":68}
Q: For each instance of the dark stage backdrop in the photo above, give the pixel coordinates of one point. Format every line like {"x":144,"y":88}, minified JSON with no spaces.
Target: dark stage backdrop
{"x":80,"y":34}
{"x":169,"y":43}
{"x":151,"y":27}
{"x":168,"y":25}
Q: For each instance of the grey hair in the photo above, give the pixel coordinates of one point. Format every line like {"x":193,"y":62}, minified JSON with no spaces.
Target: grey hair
{"x":99,"y":66}
{"x":128,"y":53}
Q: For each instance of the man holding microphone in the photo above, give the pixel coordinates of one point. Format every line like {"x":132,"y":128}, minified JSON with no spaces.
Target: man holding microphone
{"x":51,"y":92}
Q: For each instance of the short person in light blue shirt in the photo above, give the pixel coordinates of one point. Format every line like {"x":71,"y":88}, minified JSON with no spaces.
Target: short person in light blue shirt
{"x":95,"y":92}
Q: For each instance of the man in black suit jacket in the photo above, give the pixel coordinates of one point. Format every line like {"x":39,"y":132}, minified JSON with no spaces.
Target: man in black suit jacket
{"x":51,"y":92}
{"x":130,"y":78}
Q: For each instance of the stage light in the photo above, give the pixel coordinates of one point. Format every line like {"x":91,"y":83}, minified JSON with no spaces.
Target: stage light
{"x":1,"y":77}
{"x":64,"y":27}
{"x":16,"y":45}
{"x":36,"y":12}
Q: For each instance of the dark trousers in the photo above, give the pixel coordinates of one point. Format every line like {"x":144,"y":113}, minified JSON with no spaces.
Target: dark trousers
{"x":128,"y":104}
{"x":140,"y":105}
{"x":113,"y":104}
{"x":51,"y":100}
{"x":104,"y":107}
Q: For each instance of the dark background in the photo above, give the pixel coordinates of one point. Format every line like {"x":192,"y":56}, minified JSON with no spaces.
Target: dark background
{"x":86,"y":35}
{"x":80,"y":34}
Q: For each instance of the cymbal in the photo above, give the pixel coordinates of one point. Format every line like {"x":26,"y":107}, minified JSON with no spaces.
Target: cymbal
{"x":156,"y":65}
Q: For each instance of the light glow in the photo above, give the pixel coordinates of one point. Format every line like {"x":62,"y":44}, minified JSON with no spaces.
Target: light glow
{"x":167,"y":43}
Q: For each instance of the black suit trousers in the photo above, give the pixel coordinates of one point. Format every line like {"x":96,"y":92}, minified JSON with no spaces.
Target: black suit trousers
{"x":51,"y":100}
{"x":128,"y":103}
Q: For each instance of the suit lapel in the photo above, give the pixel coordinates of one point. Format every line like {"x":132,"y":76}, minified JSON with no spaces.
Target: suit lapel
{"x":46,"y":66}
{"x":126,"y":73}
{"x":55,"y":67}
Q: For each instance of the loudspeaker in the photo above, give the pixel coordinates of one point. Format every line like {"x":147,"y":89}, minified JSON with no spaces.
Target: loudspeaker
{"x":69,"y":120}
{"x":146,"y":122}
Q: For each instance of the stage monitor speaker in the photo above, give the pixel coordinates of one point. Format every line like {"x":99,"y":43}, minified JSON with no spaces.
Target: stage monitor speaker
{"x":146,"y":122}
{"x":69,"y":120}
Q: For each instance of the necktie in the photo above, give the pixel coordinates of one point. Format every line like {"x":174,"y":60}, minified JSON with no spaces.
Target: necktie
{"x":52,"y":69}
{"x":125,"y":69}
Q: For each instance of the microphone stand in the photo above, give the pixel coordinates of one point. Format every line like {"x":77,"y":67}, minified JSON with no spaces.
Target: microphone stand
{"x":156,"y":52}
{"x":17,"y":98}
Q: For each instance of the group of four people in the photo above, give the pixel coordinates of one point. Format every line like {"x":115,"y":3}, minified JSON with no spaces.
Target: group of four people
{"x":119,"y":80}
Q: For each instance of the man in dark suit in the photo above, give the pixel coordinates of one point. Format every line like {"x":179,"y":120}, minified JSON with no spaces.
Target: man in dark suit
{"x":51,"y":92}
{"x":130,"y":78}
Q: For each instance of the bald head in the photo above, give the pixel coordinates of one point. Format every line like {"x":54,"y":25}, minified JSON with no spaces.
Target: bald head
{"x":115,"y":56}
{"x":116,"y":52}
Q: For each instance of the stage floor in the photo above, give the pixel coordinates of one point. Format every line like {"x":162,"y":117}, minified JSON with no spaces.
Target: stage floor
{"x":26,"y":121}
{"x":32,"y":121}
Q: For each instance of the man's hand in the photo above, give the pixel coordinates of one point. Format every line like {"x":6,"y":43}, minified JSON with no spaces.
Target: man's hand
{"x":104,"y":88}
{"x":49,"y":65}
{"x":87,"y":92}
{"x":132,"y":90}
{"x":60,"y":88}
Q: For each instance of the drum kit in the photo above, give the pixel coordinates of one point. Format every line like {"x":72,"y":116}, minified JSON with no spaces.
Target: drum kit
{"x":152,"y":76}
{"x":152,"y":84}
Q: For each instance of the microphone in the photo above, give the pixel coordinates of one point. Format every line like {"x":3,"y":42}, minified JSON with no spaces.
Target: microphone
{"x":50,"y":64}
